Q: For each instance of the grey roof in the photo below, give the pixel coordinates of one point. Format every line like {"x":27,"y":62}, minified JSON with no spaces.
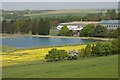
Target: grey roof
{"x":109,"y":21}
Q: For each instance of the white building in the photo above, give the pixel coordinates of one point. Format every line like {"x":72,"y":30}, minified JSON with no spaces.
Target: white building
{"x":110,"y":24}
{"x":76,"y":25}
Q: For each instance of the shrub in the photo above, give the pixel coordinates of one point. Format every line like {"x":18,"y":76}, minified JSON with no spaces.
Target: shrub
{"x":115,"y":47}
{"x":81,"y":53}
{"x":102,"y":49}
{"x":88,"y":50}
{"x":55,"y":55}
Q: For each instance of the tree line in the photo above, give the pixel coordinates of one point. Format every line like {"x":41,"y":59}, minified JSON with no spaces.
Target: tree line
{"x":92,"y":30}
{"x":42,"y":25}
{"x":91,"y":50}
{"x":39,"y":26}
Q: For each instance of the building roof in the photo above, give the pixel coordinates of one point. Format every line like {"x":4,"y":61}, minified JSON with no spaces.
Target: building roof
{"x":109,"y":21}
{"x":79,"y":22}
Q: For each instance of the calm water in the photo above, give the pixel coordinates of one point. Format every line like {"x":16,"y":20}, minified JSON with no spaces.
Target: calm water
{"x":26,"y":42}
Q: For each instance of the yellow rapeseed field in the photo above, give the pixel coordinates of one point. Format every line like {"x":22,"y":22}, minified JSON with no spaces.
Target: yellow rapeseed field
{"x":22,"y":56}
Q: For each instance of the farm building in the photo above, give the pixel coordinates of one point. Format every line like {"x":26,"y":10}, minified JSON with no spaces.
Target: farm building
{"x":110,"y":24}
{"x":75,"y":26}
{"x":78,"y":25}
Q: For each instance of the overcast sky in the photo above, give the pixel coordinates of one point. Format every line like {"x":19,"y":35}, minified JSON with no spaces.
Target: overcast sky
{"x":58,"y":5}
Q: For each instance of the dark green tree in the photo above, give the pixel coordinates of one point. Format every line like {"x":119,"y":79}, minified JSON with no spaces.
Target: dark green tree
{"x":64,"y":31}
{"x":100,"y":31}
{"x":34,"y":28}
{"x":25,"y":27}
{"x":88,"y":30}
{"x":4,"y":26}
{"x":44,"y":26}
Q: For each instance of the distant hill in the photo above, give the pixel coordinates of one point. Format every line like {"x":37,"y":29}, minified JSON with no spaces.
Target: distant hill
{"x":65,"y":12}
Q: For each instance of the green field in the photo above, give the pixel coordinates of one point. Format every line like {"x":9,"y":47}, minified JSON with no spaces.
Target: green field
{"x":65,"y":12}
{"x":56,"y":15}
{"x":98,"y":67}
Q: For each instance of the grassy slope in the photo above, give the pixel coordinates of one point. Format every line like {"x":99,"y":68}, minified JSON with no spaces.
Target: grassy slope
{"x":99,"y":67}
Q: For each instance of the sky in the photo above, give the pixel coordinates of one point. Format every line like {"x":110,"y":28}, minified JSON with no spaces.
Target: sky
{"x":58,"y":5}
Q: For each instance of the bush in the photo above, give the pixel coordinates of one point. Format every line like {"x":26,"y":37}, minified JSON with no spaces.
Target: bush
{"x":100,"y":49}
{"x":115,"y":47}
{"x":55,"y":55}
{"x":88,"y":50}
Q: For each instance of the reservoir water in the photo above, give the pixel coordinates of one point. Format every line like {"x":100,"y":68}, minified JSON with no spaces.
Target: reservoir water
{"x":27,"y":42}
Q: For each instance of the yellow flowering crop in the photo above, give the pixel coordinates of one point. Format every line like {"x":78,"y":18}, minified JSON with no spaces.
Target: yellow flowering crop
{"x":22,"y":56}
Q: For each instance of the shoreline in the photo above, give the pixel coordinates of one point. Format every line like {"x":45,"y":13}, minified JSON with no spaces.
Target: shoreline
{"x":20,"y":35}
{"x":72,"y":37}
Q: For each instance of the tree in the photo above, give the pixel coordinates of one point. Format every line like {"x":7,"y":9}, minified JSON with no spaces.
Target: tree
{"x":12,"y":28}
{"x":64,"y":31}
{"x":34,"y":28}
{"x":100,"y":31}
{"x":44,"y":26}
{"x":4,"y":26}
{"x":25,"y":27}
{"x":88,"y":30}
{"x":112,"y":14}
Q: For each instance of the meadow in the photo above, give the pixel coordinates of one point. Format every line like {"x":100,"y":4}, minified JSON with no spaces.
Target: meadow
{"x":97,"y":67}
{"x":30,"y":63}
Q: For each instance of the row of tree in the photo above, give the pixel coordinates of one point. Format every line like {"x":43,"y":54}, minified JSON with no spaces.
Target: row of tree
{"x":91,"y":50}
{"x":110,"y":14}
{"x":43,"y":25}
{"x":100,"y":49}
{"x":39,"y":26}
{"x":92,"y":30}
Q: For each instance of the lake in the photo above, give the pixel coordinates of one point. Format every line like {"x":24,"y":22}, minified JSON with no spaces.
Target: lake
{"x":30,"y":42}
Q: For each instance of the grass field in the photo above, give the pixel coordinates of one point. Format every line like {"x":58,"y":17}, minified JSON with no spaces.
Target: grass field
{"x":98,"y":67}
{"x":55,"y":15}
{"x":65,"y":12}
